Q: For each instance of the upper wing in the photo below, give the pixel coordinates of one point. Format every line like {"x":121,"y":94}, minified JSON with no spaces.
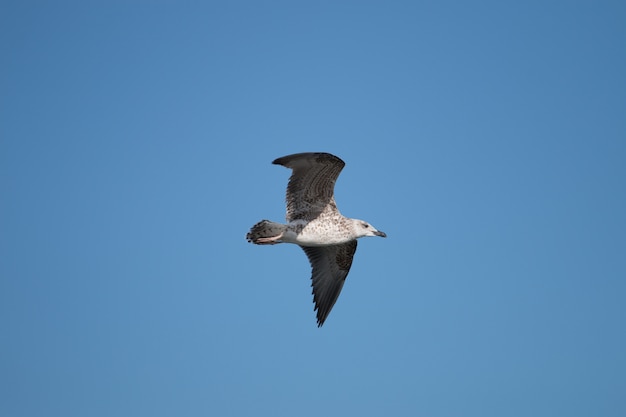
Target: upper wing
{"x":331,"y":265}
{"x":312,"y":183}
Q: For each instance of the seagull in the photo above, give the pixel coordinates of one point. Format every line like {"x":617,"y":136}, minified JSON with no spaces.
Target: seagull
{"x":314,"y":223}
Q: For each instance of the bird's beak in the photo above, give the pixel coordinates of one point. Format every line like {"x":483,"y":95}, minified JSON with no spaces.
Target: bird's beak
{"x":381,"y":234}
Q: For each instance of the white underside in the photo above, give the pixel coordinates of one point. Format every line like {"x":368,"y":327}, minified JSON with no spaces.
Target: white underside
{"x":311,"y":236}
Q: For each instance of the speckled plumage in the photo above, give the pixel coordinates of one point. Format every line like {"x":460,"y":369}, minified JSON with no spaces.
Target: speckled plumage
{"x":316,"y":225}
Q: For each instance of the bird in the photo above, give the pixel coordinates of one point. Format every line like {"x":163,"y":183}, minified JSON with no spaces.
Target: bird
{"x":314,"y":223}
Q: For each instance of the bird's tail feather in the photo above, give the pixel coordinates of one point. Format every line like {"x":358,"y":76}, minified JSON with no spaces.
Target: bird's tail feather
{"x":266,"y":232}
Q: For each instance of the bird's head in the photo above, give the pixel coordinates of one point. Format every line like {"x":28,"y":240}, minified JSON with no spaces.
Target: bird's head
{"x":363,"y":228}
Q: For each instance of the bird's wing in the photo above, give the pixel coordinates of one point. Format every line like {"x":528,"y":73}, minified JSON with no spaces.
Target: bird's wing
{"x":311,"y":185}
{"x":330,"y":265}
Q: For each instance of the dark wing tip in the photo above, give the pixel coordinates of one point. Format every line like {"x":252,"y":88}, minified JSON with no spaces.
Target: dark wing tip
{"x":322,"y":308}
{"x":321,"y":157}
{"x":321,"y":315}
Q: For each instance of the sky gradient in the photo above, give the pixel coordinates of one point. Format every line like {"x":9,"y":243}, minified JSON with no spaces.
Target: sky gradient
{"x":487,"y":139}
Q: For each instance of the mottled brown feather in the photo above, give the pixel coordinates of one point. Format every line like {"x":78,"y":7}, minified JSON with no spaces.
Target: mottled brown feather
{"x":311,"y":187}
{"x":330,"y":266}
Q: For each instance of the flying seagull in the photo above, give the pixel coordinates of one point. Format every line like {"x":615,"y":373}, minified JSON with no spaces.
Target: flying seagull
{"x":315,"y":224}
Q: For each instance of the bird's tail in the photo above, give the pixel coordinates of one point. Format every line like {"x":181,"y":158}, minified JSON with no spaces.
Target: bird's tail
{"x":266,"y":232}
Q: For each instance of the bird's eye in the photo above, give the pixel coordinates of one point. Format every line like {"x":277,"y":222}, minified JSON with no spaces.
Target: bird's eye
{"x":366,"y":225}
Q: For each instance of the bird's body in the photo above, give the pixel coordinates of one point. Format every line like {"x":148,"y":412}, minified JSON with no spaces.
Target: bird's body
{"x":315,"y":224}
{"x":301,"y":232}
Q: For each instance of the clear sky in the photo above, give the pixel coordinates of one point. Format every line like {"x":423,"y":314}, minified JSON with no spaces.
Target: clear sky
{"x":487,"y":139}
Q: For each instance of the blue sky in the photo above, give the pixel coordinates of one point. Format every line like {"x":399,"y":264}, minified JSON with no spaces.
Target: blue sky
{"x":487,"y":139}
